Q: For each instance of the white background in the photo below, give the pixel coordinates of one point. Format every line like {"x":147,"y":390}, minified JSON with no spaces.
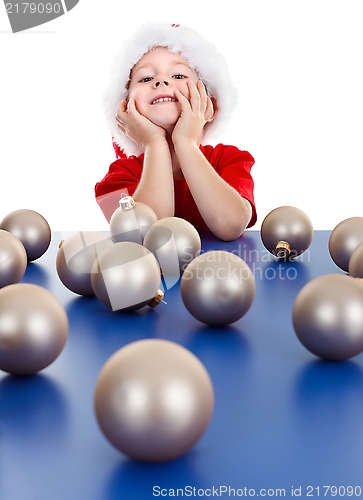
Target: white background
{"x":298,"y":67}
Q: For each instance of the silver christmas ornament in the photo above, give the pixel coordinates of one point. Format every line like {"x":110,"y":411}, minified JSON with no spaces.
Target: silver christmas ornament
{"x":13,"y":259}
{"x":287,"y":232}
{"x":31,"y":229}
{"x":355,"y":266}
{"x":75,"y":259}
{"x":153,"y":400}
{"x":328,"y":316}
{"x":131,"y":221}
{"x":126,"y":277}
{"x":33,"y":328}
{"x":175,"y":243}
{"x":218,"y":288}
{"x":344,"y":239}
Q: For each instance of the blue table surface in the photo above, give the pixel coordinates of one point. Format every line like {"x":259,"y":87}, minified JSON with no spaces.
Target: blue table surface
{"x":284,"y":422}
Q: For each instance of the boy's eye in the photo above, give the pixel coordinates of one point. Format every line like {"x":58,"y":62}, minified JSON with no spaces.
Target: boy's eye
{"x":149,"y":78}
{"x":146,"y":79}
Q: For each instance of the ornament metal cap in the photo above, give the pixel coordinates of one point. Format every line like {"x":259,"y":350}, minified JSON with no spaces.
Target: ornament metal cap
{"x":282,"y":249}
{"x":157,"y":299}
{"x":127,"y":202}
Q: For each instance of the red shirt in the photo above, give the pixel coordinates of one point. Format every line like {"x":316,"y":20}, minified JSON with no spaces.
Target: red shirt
{"x":229,"y":162}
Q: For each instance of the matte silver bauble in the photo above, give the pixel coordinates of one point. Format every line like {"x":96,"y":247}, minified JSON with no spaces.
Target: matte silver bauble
{"x":13,"y":259}
{"x":126,"y":277}
{"x":218,"y":288}
{"x":153,"y":400}
{"x":31,"y":229}
{"x":328,"y":316}
{"x":33,"y":328}
{"x":131,"y":221}
{"x":344,"y":239}
{"x":75,"y":259}
{"x":287,"y":232}
{"x":175,"y":243}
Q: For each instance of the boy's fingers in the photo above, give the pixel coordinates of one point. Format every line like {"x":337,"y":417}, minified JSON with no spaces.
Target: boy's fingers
{"x":121,"y":108}
{"x":181,"y":94}
{"x":182,"y":99}
{"x":120,"y":127}
{"x":203,"y":94}
{"x":119,"y":121}
{"x":132,"y":109}
{"x":126,"y":113}
{"x":131,"y":105}
{"x":194,"y":95}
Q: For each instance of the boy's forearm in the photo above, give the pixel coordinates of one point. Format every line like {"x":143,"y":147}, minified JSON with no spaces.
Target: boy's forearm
{"x":156,"y":186}
{"x":223,"y":209}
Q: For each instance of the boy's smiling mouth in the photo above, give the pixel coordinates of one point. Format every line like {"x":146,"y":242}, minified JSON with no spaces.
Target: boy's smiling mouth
{"x":163,"y":98}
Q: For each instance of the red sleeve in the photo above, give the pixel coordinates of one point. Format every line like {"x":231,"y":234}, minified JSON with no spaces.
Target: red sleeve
{"x":123,"y":177}
{"x":234,"y":166}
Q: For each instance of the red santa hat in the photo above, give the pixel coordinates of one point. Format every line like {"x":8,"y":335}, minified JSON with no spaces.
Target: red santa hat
{"x":201,"y":55}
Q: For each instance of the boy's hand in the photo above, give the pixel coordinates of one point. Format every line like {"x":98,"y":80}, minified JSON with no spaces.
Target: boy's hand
{"x":136,"y":126}
{"x":195,"y":113}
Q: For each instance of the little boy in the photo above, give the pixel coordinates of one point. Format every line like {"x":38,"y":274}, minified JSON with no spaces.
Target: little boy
{"x":169,"y":92}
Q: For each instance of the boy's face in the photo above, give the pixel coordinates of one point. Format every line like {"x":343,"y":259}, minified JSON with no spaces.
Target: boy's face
{"x":156,"y":76}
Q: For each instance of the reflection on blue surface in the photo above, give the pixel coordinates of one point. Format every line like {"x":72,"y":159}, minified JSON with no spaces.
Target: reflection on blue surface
{"x":330,"y":379}
{"x":36,"y":274}
{"x":101,"y":326}
{"x":137,"y":480}
{"x":32,"y":408}
{"x":326,"y":412}
{"x":329,"y":388}
{"x":225,"y":350}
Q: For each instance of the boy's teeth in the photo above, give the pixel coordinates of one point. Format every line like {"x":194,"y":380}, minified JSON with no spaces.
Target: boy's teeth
{"x":163,"y":99}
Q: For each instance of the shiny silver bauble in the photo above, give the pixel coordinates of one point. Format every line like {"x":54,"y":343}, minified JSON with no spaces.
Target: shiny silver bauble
{"x":287,"y":232}
{"x":218,"y":288}
{"x":75,"y":259}
{"x":31,"y":229}
{"x":153,"y":400}
{"x":13,"y":259}
{"x":328,"y":316}
{"x":33,"y":328}
{"x":344,"y":239}
{"x":126,"y":277}
{"x":131,"y":220}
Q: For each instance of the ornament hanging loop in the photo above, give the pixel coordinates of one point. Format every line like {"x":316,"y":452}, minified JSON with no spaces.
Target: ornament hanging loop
{"x":127,"y":202}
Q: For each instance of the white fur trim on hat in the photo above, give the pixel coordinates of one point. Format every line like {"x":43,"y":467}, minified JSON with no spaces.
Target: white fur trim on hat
{"x":201,"y":55}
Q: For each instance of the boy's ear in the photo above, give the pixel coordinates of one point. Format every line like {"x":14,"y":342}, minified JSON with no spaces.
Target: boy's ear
{"x":215,"y":109}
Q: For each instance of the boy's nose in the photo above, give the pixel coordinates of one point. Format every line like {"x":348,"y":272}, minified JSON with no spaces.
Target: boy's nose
{"x":165,"y":82}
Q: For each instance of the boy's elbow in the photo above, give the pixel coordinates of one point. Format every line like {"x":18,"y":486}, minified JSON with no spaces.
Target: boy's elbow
{"x":233,"y":229}
{"x":229,"y":231}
